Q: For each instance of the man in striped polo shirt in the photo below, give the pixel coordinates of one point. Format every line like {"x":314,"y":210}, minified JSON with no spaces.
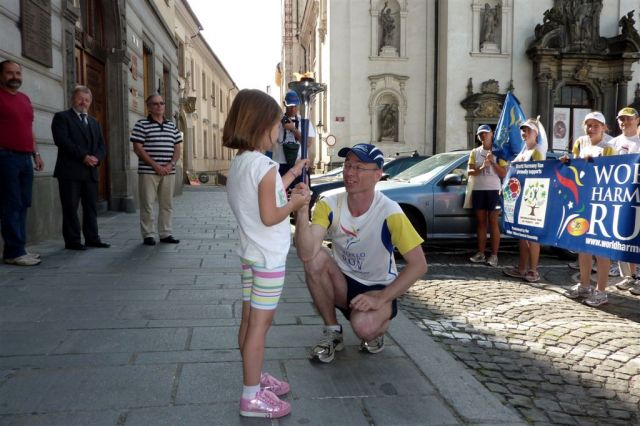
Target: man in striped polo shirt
{"x":155,"y":141}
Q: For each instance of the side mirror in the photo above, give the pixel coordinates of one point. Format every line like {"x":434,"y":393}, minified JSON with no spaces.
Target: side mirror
{"x":452,"y":179}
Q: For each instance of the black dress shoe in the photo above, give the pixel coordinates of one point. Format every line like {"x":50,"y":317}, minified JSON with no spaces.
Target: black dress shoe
{"x":98,"y":244}
{"x":169,"y":240}
{"x":75,"y":246}
{"x":149,"y":241}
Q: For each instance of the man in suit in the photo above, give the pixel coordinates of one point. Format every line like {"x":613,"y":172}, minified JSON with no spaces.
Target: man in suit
{"x":81,"y":148}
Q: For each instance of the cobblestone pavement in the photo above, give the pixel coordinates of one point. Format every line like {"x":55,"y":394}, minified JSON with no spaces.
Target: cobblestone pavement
{"x":554,"y":359}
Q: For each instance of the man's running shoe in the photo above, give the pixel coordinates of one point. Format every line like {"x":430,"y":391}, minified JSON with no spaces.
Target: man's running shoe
{"x":626,"y":283}
{"x":577,"y":292}
{"x":326,"y":348}
{"x":614,"y":270}
{"x":374,"y":346}
{"x":597,"y":298}
{"x":478,"y":258}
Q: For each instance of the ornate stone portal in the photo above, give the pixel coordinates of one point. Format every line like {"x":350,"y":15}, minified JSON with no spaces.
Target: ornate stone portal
{"x":569,"y":51}
{"x":483,"y":107}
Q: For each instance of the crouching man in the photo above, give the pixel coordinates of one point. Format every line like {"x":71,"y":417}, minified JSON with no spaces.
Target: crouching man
{"x":359,"y":277}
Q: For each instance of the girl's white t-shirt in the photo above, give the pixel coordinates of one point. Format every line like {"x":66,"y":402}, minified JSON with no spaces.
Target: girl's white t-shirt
{"x":265,"y":245}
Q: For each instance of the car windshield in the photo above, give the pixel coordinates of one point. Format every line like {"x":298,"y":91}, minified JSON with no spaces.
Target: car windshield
{"x":430,"y":167}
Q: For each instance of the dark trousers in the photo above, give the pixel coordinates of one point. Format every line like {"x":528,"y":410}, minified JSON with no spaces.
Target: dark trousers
{"x":72,"y":192}
{"x":283,"y":169}
{"x":16,"y":182}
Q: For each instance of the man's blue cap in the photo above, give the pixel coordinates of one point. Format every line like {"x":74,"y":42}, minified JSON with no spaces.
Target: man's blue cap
{"x":291,"y":99}
{"x":367,"y":153}
{"x":483,"y":128}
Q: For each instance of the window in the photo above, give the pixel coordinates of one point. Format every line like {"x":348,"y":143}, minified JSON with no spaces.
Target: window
{"x":205,"y":143}
{"x":204,"y":85}
{"x":221,"y":101}
{"x":93,"y":20}
{"x":574,"y":96}
{"x":193,"y":75}
{"x":181,"y":59}
{"x":213,"y":94}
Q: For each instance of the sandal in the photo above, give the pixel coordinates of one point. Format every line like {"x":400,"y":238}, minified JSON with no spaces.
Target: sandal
{"x":532,"y":276}
{"x":512,"y":272}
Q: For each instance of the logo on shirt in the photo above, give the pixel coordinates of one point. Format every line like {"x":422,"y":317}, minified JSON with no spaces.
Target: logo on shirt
{"x":352,"y":236}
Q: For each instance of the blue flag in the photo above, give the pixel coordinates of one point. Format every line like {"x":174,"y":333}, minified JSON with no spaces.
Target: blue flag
{"x":507,"y":142}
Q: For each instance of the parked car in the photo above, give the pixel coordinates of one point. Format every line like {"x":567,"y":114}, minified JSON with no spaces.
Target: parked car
{"x":391,"y":168}
{"x":431,"y":193}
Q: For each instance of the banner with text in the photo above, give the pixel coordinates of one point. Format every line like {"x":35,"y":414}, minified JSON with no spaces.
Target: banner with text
{"x":585,"y":206}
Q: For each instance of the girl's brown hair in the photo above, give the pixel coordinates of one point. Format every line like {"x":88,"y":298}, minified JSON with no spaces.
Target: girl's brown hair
{"x":252,"y":113}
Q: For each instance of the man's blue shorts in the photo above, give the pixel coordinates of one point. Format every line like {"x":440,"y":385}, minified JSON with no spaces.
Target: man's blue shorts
{"x":355,"y":288}
{"x":485,"y":199}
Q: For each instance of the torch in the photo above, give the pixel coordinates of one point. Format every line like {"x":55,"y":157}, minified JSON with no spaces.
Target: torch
{"x":306,"y":88}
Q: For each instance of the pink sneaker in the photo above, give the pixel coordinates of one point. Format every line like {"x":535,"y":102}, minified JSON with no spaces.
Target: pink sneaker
{"x":270,"y":383}
{"x":265,"y":404}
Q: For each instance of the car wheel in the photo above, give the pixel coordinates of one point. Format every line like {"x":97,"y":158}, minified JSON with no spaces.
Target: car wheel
{"x":416,"y":220}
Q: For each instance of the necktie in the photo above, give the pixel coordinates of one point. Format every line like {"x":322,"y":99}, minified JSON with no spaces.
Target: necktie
{"x":83,"y":118}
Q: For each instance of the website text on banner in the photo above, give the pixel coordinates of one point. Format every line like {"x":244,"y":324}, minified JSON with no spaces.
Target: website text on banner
{"x":586,"y":206}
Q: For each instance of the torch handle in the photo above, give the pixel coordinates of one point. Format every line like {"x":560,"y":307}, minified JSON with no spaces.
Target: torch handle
{"x":304,"y":136}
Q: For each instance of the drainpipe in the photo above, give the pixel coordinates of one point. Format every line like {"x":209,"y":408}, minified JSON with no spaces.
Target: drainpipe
{"x":435,"y":81}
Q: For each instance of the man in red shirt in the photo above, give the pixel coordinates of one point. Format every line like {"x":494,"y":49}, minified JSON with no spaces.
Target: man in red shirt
{"x":17,"y":148}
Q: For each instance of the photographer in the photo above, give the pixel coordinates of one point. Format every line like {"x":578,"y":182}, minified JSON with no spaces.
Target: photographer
{"x":286,"y":150}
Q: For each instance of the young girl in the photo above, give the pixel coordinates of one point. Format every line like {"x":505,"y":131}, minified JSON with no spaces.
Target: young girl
{"x":529,"y":251}
{"x":594,"y":144}
{"x":257,"y":197}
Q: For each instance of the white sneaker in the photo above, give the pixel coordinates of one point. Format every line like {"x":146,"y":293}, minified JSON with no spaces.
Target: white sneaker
{"x":597,"y":298}
{"x":373,"y":347}
{"x":577,"y":292}
{"x":478,"y":258}
{"x":493,"y":260}
{"x":626,"y":283}
{"x":635,"y":290}
{"x":329,"y":344}
{"x":614,"y":270}
{"x":24,"y":260}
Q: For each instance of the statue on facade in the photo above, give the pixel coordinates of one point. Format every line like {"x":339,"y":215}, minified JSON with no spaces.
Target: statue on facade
{"x":489,"y":24}
{"x":388,"y":122}
{"x":572,"y":25}
{"x":627,"y":23}
{"x":388,"y":24}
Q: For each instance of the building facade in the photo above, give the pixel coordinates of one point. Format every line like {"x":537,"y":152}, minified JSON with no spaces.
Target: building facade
{"x":124,"y":51}
{"x":422,"y":75}
{"x":205,"y":94}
